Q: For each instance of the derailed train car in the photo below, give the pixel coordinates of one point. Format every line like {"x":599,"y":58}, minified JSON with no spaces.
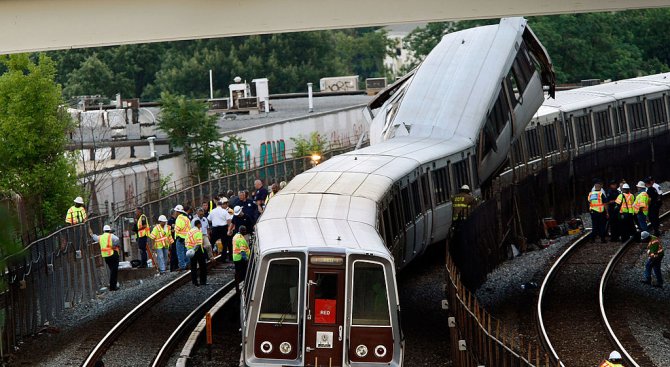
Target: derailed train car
{"x":320,"y":289}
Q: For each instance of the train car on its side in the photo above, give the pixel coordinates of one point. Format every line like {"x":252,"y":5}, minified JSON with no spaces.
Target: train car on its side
{"x":320,"y":288}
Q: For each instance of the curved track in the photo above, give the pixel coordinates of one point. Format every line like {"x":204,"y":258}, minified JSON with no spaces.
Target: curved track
{"x":138,"y":337}
{"x":573,"y":322}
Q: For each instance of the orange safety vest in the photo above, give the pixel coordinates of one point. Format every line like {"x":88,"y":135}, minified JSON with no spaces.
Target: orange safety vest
{"x":610,"y":364}
{"x":145,"y":230}
{"x":627,"y":203}
{"x":161,"y":236}
{"x":194,"y":238}
{"x":596,"y":201}
{"x":106,"y":245}
{"x":181,"y":226}
{"x":75,"y":215}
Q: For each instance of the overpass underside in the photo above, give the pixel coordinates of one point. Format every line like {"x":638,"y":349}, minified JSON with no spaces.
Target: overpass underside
{"x":36,"y":25}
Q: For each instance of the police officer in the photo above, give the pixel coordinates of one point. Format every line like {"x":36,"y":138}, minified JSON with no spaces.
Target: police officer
{"x":598,"y":211}
{"x":613,"y":361}
{"x":613,"y":215}
{"x":109,"y":248}
{"x":655,"y":257}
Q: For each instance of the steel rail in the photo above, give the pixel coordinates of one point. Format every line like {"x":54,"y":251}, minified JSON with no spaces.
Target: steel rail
{"x":113,"y":334}
{"x":163,"y":356}
{"x":630,"y":361}
{"x":544,"y":337}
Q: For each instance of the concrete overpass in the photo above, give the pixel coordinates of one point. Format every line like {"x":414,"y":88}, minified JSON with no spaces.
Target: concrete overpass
{"x":36,"y":25}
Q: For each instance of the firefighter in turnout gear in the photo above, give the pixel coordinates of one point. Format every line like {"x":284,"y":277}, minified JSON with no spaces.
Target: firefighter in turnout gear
{"x":77,"y":213}
{"x":613,"y":361}
{"x":109,"y":248}
{"x":462,"y":204}
{"x":197,"y":254}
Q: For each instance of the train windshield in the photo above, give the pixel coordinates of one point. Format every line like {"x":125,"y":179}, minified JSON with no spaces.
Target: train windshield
{"x":370,"y":299}
{"x":280,"y":296}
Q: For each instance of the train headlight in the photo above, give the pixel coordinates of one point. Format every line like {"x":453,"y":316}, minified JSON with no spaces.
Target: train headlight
{"x":380,"y":351}
{"x":361,"y":351}
{"x":266,"y":347}
{"x":285,"y":348}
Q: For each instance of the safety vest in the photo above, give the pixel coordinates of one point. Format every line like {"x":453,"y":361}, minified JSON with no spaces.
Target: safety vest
{"x":194,"y":238}
{"x":461,"y":203}
{"x":181,"y":226}
{"x":627,"y":202}
{"x":144,"y":231}
{"x":75,"y":215}
{"x":240,"y":244}
{"x":596,"y":201}
{"x":270,"y":196}
{"x":610,"y":364}
{"x":106,"y":245}
{"x":642,"y":203}
{"x":161,"y":236}
{"x":655,"y":247}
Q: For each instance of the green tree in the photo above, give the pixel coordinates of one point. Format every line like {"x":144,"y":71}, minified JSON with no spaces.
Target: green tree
{"x":95,"y":77}
{"x":190,"y":126}
{"x":33,"y":128}
{"x":315,"y":144}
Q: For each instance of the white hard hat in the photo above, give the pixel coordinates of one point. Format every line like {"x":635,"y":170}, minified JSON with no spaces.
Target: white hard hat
{"x":223,"y":200}
{"x":640,"y":184}
{"x":78,"y":200}
{"x":644,"y":235}
{"x":465,"y":187}
{"x":625,"y":186}
{"x":107,"y":228}
{"x":179,"y":208}
{"x":190,"y":253}
{"x":615,"y":355}
{"x":237,"y":210}
{"x":162,"y":218}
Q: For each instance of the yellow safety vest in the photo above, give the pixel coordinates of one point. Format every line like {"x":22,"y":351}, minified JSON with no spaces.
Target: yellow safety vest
{"x":144,"y":231}
{"x":106,"y":245}
{"x":75,"y":215}
{"x":240,"y":244}
{"x":596,"y":201}
{"x":161,"y":236}
{"x":270,"y":196}
{"x":627,"y":202}
{"x":181,"y":226}
{"x":194,"y":238}
{"x":642,"y":203}
{"x":610,"y":364}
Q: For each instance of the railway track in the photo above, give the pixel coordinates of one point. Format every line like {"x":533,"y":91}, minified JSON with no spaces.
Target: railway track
{"x":571,"y":309}
{"x":138,"y":337}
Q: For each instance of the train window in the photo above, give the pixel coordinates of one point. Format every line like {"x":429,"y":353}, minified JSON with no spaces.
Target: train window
{"x":657,"y":115}
{"x":370,"y":304}
{"x":280,"y":295}
{"x":388,"y":228}
{"x":550,"y":141}
{"x":441,"y":182}
{"x":460,"y":172}
{"x":636,"y":116}
{"x":525,"y":66}
{"x":425,"y":188}
{"x":416,"y":199}
{"x":407,"y":209}
{"x":533,"y":142}
{"x":513,"y":86}
{"x":583,"y":129}
{"x":496,"y":121}
{"x":395,"y":213}
{"x":603,"y":126}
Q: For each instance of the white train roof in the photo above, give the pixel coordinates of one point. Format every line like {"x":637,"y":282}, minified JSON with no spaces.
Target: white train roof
{"x":601,"y":94}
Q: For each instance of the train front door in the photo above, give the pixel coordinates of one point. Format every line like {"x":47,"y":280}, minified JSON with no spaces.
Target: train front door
{"x":324,"y":327}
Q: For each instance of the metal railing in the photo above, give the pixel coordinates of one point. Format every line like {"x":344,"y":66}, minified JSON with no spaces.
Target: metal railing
{"x":477,"y":339}
{"x":65,"y":269}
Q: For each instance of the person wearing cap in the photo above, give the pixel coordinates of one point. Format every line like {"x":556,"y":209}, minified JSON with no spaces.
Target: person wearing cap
{"x":612,"y":193}
{"x":198,"y":259}
{"x":654,"y":258}
{"x":240,"y":219}
{"x":598,"y":211}
{"x":221,"y":221}
{"x":162,"y":238}
{"x":614,"y":360}
{"x":109,"y":248}
{"x":205,"y":228}
{"x":241,"y":255}
{"x":625,"y":204}
{"x":182,"y":226}
{"x":282,"y":185}
{"x":654,"y":205}
{"x":641,"y":205}
{"x":142,"y":229}
{"x":77,"y":213}
{"x":462,"y":204}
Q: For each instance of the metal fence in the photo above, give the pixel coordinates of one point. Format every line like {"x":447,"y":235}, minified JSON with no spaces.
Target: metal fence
{"x":65,"y":268}
{"x":477,"y":339}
